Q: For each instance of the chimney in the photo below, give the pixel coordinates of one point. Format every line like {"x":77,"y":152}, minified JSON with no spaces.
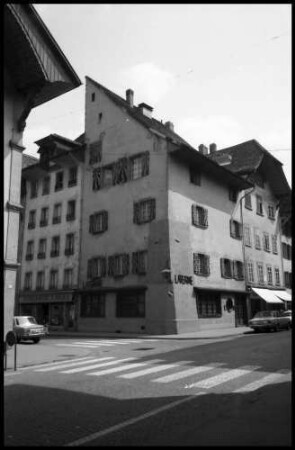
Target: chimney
{"x":213,"y":148}
{"x":146,"y":110}
{"x":203,"y":149}
{"x":129,"y":97}
{"x":169,"y":125}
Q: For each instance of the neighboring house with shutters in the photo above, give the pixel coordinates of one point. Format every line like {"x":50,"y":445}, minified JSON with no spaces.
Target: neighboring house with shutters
{"x":50,"y":232}
{"x":266,"y":217}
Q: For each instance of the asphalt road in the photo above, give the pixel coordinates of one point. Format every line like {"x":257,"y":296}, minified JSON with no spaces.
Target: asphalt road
{"x":118,"y":392}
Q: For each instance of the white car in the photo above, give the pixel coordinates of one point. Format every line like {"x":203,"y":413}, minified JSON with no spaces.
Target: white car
{"x":26,"y":328}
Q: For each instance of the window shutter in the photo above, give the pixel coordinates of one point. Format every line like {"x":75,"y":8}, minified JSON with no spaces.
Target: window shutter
{"x":195,"y":262}
{"x":153,"y":208}
{"x":207,"y":262}
{"x":222,"y":268}
{"x":125,"y":264}
{"x":135,"y":262}
{"x":145,"y":164}
{"x":232,"y":228}
{"x":104,"y":220}
{"x":111,"y":261}
{"x":232,"y":269}
{"x":103,"y":266}
{"x":194,"y":215}
{"x":136,"y":210}
{"x":89,"y":269}
{"x":96,"y":179}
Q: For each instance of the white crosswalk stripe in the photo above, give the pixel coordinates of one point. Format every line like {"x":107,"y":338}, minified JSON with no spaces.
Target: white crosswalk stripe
{"x":94,"y":366}
{"x":71,"y":364}
{"x":184,"y":374}
{"x":223,"y":377}
{"x":117,"y":369}
{"x":105,"y":343}
{"x":267,"y":379}
{"x":148,"y":371}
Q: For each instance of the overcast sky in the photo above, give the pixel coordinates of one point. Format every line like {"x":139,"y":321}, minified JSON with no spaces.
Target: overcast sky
{"x":220,"y":73}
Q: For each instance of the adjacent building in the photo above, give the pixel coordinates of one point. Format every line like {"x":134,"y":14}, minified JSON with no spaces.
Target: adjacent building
{"x":35,"y":71}
{"x":165,"y":240}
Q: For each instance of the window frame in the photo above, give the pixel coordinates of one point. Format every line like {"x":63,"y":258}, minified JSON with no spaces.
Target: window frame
{"x":201,"y":264}
{"x":135,"y":309}
{"x":208,"y":309}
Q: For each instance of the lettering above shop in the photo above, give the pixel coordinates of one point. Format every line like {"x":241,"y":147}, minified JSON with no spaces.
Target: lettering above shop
{"x":183,"y":279}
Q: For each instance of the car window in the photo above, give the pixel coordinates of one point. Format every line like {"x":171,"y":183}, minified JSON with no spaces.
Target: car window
{"x":26,"y":320}
{"x":263,"y":314}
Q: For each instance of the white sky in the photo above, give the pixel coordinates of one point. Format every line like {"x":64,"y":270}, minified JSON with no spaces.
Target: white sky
{"x":220,"y":72}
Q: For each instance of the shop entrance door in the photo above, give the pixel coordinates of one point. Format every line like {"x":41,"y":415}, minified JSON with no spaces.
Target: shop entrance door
{"x":241,"y":311}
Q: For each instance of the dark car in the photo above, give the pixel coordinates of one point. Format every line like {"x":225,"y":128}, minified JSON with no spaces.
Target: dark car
{"x":288,"y":314}
{"x":269,"y":320}
{"x":27,"y":328}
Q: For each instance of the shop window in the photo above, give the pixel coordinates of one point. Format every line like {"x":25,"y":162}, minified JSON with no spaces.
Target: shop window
{"x":46,"y":185}
{"x":71,"y":212}
{"x":93,"y":305}
{"x":208,"y":305}
{"x":56,"y":213}
{"x":226,"y":268}
{"x":144,"y":211}
{"x":56,"y":315}
{"x":130,"y":304}
{"x":139,"y":262}
{"x":199,"y":216}
{"x":72,"y":177}
{"x":235,"y":228}
{"x":201,"y":264}
{"x":32,"y":219}
{"x":98,"y":222}
{"x":30,"y":251}
{"x":59,"y":181}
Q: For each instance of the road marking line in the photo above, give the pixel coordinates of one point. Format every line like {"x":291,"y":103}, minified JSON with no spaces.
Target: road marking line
{"x":75,"y":345}
{"x":90,"y":343}
{"x":54,"y":363}
{"x":108,"y":342}
{"x":183,"y":374}
{"x":222,"y":378}
{"x":143,"y":372}
{"x":268,"y":379}
{"x":117,"y":369}
{"x":63,"y":366}
{"x":128,"y":422}
{"x":81,"y":369}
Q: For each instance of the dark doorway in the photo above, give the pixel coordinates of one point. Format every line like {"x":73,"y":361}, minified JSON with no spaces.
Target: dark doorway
{"x":241,"y":311}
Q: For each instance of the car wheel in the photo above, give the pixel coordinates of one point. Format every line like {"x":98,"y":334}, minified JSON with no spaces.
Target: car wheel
{"x":255,"y":330}
{"x":36,"y":340}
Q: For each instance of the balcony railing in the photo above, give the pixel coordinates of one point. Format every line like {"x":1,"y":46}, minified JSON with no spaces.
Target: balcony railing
{"x":69,"y":251}
{"x":43,"y":223}
{"x":29,"y":257}
{"x":72,"y":182}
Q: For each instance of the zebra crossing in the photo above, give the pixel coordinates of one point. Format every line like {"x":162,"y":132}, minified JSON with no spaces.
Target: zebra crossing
{"x":183,"y":373}
{"x":105,"y":343}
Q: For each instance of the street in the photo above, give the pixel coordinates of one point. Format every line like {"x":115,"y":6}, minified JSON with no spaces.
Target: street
{"x":98,"y":391}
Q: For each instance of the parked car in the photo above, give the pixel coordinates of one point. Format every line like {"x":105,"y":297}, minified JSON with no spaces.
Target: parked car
{"x":288,"y":314}
{"x":27,"y":328}
{"x":269,"y":320}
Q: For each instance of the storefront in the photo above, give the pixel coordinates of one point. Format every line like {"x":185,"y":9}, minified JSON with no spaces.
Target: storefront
{"x":265,"y":300}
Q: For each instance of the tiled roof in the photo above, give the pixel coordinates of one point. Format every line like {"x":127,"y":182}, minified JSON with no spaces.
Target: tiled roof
{"x":29,"y":160}
{"x":136,"y":113}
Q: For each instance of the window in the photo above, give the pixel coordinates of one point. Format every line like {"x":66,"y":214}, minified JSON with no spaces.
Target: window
{"x":288,"y":279}
{"x":199,"y":216}
{"x":53,"y":282}
{"x":68,"y":278}
{"x":107,"y":174}
{"x":287,"y":251}
{"x":46,"y":185}
{"x":44,"y":217}
{"x":55,"y":243}
{"x":250,"y":272}
{"x":208,"y":305}
{"x":139,"y":166}
{"x":99,"y":117}
{"x":274,"y":238}
{"x":42,"y":249}
{"x":269,"y":275}
{"x":277,"y":276}
{"x":69,"y":249}
{"x":30,"y":251}
{"x":96,"y":267}
{"x":59,"y":176}
{"x":93,"y":305}
{"x":139,"y":262}
{"x":259,"y":205}
{"x":72,"y":176}
{"x":144,"y":211}
{"x":93,"y":96}
{"x":28,"y":280}
{"x":271,"y":212}
{"x":32,"y":219}
{"x":248,"y":201}
{"x":226,"y":268}
{"x":235,"y":228}
{"x":201,"y":264}
{"x":247,"y":236}
{"x":257,"y":239}
{"x":71,"y":210}
{"x":34,"y":188}
{"x":266,"y":243}
{"x":232,"y":195}
{"x":238,"y":270}
{"x":98,"y":222}
{"x":195,"y":176}
{"x":118,"y":265}
{"x":95,"y":151}
{"x":260,"y":273}
{"x":130,"y":304}
{"x":56,"y":213}
{"x":40,"y":280}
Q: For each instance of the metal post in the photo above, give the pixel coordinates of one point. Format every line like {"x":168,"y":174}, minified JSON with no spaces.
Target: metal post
{"x":15,"y":352}
{"x":5,"y":356}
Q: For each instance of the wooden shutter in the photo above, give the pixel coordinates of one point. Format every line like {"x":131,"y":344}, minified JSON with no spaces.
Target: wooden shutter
{"x":205,"y":222}
{"x":136,"y":212}
{"x":104,"y":220}
{"x":103,"y":263}
{"x":111,"y":264}
{"x":207,"y":263}
{"x":96,"y":179}
{"x":145,"y":164}
{"x":135,"y":262}
{"x":153,"y":208}
{"x":194,"y":215}
{"x":222,"y":268}
{"x":125,"y":264}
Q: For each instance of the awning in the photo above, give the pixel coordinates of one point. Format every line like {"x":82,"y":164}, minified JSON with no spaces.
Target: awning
{"x":283,"y":295}
{"x":267,"y":295}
